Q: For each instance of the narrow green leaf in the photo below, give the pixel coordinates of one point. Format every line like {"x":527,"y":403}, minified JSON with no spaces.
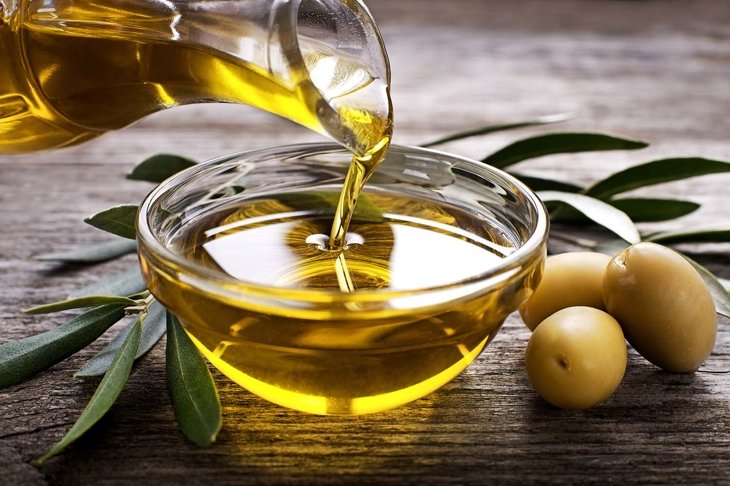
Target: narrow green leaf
{"x":643,"y":210}
{"x":24,"y":358}
{"x":105,"y":395}
{"x":559,"y":143}
{"x":640,"y":210}
{"x":79,"y":303}
{"x":557,"y":118}
{"x":191,"y":386}
{"x":694,"y":235}
{"x":124,"y":283}
{"x":159,"y":167}
{"x":655,"y":172}
{"x":118,"y":220}
{"x":598,"y":211}
{"x":153,"y":328}
{"x":99,"y":252}
{"x":542,"y":184}
{"x":719,"y":293}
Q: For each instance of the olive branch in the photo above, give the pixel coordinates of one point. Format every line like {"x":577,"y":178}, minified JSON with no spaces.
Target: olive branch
{"x":124,"y":296}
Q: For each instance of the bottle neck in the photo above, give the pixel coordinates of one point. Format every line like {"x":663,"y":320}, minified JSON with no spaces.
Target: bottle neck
{"x":347,"y":70}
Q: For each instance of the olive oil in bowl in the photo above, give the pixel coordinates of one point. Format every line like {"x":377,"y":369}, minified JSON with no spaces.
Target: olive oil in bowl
{"x":438,"y":252}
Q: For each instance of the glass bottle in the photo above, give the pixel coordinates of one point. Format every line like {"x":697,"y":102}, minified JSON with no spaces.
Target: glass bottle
{"x":71,"y":70}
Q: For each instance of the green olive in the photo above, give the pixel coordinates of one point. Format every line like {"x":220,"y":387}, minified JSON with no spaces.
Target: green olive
{"x":576,"y":358}
{"x":569,"y":279}
{"x":663,"y":305}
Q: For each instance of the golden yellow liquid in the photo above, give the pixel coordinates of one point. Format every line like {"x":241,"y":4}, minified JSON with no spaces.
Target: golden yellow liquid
{"x":72,"y":74}
{"x":62,"y":89}
{"x":321,"y":352}
{"x":360,"y":170}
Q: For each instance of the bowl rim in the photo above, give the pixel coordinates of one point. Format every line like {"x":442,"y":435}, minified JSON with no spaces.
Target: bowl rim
{"x":219,"y":282}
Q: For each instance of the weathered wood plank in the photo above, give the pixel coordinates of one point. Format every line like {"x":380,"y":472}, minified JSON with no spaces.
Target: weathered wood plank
{"x":652,"y":69}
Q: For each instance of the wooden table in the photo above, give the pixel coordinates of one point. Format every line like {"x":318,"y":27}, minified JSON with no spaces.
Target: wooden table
{"x":658,"y":70}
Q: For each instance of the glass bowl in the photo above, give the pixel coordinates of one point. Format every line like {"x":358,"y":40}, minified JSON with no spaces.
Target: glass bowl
{"x":441,"y":250}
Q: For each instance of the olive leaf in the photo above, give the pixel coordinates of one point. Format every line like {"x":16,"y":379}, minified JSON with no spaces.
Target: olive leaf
{"x":542,"y":184}
{"x":559,"y":143}
{"x":153,"y":328}
{"x":159,"y":167}
{"x":640,"y":210}
{"x":598,"y":211}
{"x":126,"y":283}
{"x":78,"y":303}
{"x":557,"y":118}
{"x":655,"y":172}
{"x":96,"y":253}
{"x":693,"y":235}
{"x":106,"y":394}
{"x":24,"y":358}
{"x":118,"y":220}
{"x":719,"y":293}
{"x":191,"y":387}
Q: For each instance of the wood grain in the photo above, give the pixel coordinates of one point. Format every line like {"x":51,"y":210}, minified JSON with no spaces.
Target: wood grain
{"x":655,"y":69}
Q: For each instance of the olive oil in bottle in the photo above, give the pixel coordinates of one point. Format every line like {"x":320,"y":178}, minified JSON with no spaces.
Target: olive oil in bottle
{"x":70,"y":71}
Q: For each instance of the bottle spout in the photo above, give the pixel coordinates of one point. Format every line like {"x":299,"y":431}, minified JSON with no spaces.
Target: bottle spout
{"x":347,"y":66}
